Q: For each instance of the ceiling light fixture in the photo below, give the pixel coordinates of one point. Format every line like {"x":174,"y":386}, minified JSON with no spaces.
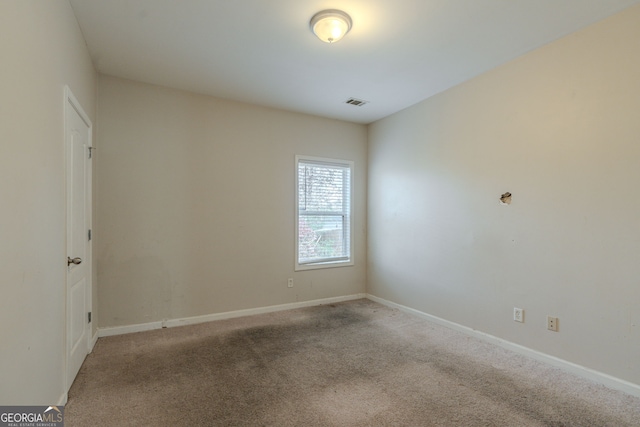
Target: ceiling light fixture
{"x":330,"y":25}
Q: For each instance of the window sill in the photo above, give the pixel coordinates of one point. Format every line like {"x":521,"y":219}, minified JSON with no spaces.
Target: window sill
{"x":320,"y":265}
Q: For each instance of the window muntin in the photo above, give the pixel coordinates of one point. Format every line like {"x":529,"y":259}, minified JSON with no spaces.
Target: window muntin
{"x":323,"y":213}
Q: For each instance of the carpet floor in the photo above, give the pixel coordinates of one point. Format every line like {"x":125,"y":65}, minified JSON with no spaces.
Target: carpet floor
{"x":356,"y":363}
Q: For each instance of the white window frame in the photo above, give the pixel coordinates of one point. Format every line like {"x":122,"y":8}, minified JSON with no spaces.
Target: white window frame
{"x":325,"y":263}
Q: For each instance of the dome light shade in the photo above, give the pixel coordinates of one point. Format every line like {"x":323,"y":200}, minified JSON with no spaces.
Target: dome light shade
{"x":330,"y":25}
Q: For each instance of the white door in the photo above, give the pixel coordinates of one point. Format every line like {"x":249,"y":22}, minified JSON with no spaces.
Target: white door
{"x":78,"y":165}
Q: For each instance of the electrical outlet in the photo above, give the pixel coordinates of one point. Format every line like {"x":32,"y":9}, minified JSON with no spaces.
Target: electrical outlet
{"x":552,"y":323}
{"x":290,"y":282}
{"x":518,"y":315}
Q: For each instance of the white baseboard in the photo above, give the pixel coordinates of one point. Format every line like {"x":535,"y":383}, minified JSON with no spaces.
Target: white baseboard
{"x":128,"y":329}
{"x":94,"y":340}
{"x":581,"y":371}
{"x":170,"y":323}
{"x":62,"y":400}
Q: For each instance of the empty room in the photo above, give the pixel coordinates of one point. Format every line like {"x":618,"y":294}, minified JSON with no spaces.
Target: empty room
{"x":320,"y":213}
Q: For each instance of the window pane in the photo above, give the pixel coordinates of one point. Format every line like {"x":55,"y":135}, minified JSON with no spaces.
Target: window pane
{"x":323,"y":213}
{"x":321,"y":188}
{"x":321,"y":237}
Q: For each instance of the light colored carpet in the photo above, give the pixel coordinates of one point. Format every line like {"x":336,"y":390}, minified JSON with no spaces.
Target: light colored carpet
{"x":350,"y":364}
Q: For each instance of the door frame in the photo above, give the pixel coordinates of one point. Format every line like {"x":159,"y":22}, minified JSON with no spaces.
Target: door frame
{"x":70,"y":102}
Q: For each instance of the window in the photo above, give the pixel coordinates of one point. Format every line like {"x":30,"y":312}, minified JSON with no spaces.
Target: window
{"x":323,"y":213}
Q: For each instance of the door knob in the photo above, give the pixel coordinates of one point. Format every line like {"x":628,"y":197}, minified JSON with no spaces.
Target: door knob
{"x":76,"y":260}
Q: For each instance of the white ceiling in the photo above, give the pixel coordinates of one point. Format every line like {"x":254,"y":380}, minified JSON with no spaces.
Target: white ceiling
{"x":398,"y":52}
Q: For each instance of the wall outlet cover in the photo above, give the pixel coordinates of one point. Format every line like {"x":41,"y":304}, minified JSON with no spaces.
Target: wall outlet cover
{"x":518,"y":315}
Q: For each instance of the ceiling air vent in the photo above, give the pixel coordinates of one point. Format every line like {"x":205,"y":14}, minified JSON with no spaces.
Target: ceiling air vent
{"x":355,"y":101}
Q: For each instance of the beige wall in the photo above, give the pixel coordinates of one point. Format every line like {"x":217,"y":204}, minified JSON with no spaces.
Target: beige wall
{"x":195,"y":209}
{"x":560,"y":129}
{"x":42,"y":50}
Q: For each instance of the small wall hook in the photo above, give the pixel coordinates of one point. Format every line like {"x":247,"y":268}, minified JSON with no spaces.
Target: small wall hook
{"x":505,"y":199}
